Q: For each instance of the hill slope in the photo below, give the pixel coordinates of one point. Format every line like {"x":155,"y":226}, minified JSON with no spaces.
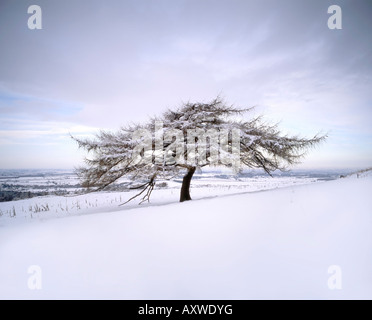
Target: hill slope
{"x":275,"y":244}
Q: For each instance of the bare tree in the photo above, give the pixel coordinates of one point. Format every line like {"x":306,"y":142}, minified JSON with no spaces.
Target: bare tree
{"x":190,"y":137}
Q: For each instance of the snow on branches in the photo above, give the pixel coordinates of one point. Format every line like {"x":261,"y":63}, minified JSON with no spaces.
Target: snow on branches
{"x":191,"y":136}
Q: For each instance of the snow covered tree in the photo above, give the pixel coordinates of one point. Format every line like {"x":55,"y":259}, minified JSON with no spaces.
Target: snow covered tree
{"x":184,"y":140}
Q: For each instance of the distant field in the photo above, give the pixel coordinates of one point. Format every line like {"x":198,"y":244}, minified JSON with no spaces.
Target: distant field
{"x":25,"y":184}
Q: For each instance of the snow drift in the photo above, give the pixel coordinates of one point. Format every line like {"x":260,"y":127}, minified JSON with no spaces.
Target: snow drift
{"x":276,"y":244}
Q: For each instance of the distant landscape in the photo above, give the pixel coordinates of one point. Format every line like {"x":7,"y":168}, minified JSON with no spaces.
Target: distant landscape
{"x":28,"y":183}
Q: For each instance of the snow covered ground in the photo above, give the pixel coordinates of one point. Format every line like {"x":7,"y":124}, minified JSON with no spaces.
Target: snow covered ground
{"x":203,"y":186}
{"x":228,"y":243}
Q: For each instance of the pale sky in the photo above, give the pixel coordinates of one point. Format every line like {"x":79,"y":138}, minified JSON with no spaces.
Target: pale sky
{"x":102,"y":64}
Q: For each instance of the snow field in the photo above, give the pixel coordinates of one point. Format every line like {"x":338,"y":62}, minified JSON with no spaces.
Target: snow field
{"x":60,"y":206}
{"x":274,"y":244}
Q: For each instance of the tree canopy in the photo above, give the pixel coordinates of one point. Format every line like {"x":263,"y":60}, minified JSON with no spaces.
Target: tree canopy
{"x":191,"y":136}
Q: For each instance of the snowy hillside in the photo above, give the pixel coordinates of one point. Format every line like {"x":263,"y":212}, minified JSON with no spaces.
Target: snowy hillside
{"x":273,"y":244}
{"x":207,"y":184}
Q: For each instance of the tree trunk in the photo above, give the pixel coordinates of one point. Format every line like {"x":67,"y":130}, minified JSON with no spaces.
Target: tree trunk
{"x":185,"y":189}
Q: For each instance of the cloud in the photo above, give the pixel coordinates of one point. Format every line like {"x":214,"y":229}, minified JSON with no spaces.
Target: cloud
{"x":25,"y":132}
{"x":101,"y":65}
